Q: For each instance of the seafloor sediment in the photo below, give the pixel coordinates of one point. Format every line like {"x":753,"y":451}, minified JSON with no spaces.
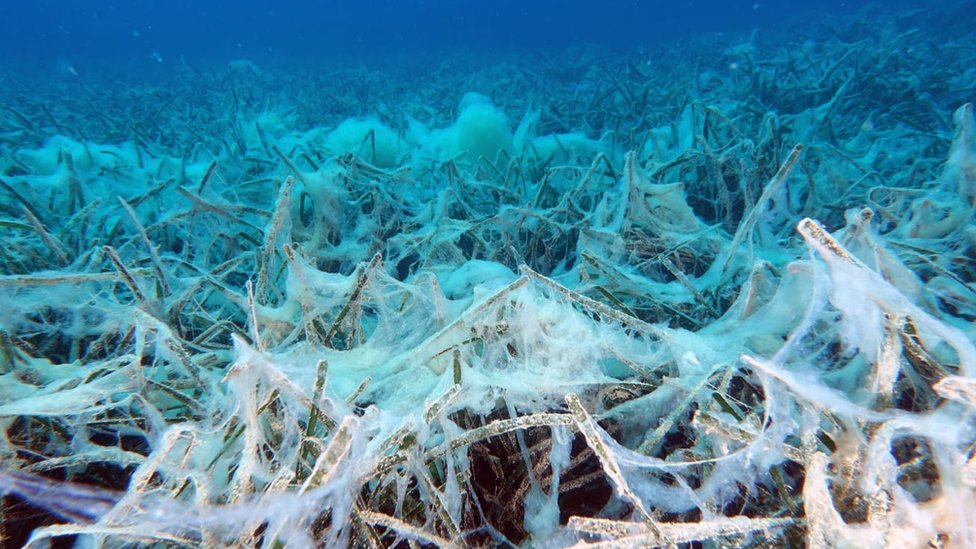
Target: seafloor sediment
{"x":720,"y":291}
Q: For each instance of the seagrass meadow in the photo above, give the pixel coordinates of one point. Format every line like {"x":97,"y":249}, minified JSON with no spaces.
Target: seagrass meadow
{"x":716,"y":292}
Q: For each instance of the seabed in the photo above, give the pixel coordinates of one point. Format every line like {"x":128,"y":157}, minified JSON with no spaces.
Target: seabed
{"x":716,"y":293}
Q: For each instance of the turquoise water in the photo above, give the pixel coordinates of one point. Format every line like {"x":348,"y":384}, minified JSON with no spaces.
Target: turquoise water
{"x":105,"y":32}
{"x":538,"y":274}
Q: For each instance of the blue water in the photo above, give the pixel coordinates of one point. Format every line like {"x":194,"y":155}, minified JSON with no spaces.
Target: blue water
{"x":139,"y":33}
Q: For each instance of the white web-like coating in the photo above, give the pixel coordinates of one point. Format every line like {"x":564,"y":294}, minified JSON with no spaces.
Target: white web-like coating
{"x":369,"y":336}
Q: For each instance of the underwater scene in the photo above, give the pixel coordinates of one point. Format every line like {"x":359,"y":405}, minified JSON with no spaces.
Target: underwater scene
{"x":538,"y":274}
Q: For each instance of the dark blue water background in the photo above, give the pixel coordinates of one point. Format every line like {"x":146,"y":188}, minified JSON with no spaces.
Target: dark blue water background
{"x":146,"y":34}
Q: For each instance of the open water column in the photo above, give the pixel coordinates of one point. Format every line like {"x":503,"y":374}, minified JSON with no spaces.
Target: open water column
{"x":441,"y":274}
